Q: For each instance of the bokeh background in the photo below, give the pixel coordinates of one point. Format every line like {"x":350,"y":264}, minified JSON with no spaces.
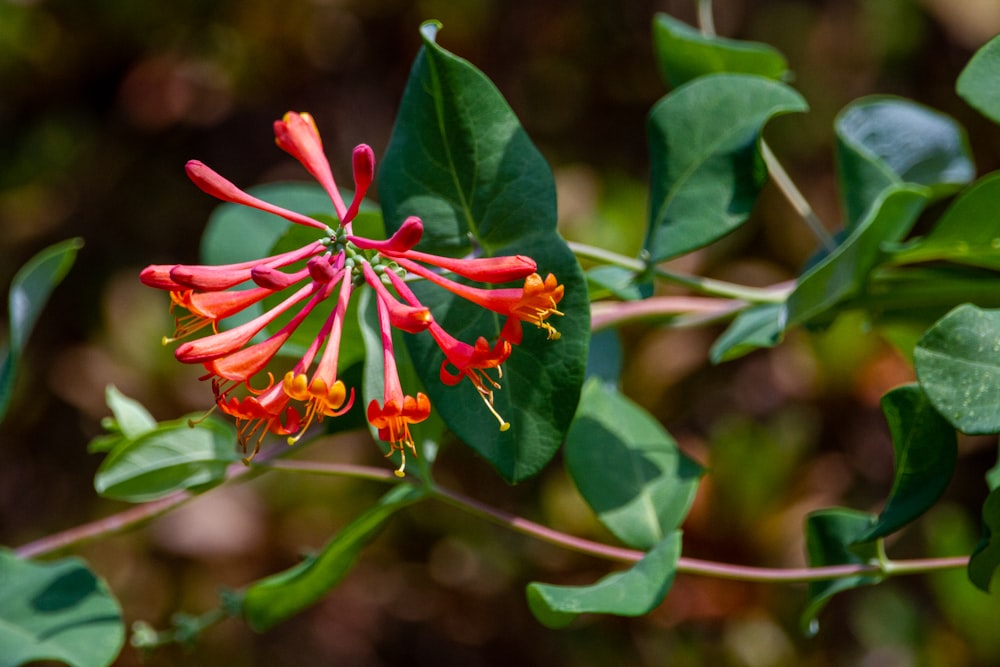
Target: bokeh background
{"x":102,"y":102}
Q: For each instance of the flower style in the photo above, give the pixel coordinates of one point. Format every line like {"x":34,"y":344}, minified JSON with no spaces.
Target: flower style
{"x":292,"y":285}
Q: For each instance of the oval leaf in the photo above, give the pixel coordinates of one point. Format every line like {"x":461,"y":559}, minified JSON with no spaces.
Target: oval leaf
{"x":706,"y":165}
{"x":634,"y":592}
{"x":282,"y":595}
{"x":756,"y":327}
{"x":56,"y":611}
{"x":459,"y":159}
{"x":172,"y":457}
{"x":979,"y":82}
{"x":28,"y":294}
{"x":628,"y":468}
{"x":684,"y":53}
{"x":829,"y":536}
{"x":883,"y":141}
{"x":925,"y":448}
{"x":958,"y":365}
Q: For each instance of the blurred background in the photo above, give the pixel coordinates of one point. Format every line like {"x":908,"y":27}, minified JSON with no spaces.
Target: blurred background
{"x":103,"y":101}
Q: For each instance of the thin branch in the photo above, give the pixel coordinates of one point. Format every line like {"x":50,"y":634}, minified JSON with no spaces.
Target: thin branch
{"x":795,"y":197}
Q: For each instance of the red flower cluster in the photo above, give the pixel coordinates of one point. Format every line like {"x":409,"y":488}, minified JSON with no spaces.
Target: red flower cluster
{"x":333,"y":267}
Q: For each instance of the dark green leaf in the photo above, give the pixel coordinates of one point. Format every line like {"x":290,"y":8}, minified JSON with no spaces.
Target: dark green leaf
{"x":634,"y":592}
{"x":460,"y":159}
{"x":282,"y":595}
{"x":29,"y":292}
{"x":604,"y":362}
{"x":707,"y":169}
{"x":754,"y":328}
{"x":986,"y":556}
{"x":843,"y":272}
{"x":967,"y":233}
{"x":56,"y":611}
{"x":925,"y":448}
{"x":882,"y":141}
{"x":958,"y":365}
{"x":979,"y":82}
{"x":829,"y":536}
{"x":683,"y":53}
{"x":169,"y":458}
{"x":628,"y":468}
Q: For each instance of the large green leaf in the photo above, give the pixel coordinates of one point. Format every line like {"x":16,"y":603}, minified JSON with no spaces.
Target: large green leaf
{"x":282,"y":595}
{"x":459,"y":159}
{"x":634,"y":592}
{"x":28,"y":294}
{"x":830,"y":534}
{"x":882,"y":141}
{"x":986,"y":556}
{"x":707,"y":169}
{"x":56,"y":611}
{"x":683,"y":53}
{"x":925,"y":447}
{"x":171,"y":457}
{"x":958,"y":365}
{"x":967,"y":233}
{"x":628,"y":468}
{"x":843,"y":272}
{"x":979,"y":82}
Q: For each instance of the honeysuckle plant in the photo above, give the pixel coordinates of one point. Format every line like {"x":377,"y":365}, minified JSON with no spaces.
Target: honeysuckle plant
{"x":427,"y":293}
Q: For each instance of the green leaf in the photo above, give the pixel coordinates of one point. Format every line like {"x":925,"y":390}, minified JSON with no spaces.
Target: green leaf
{"x":130,"y":420}
{"x":29,"y":292}
{"x":986,"y":556}
{"x":707,"y":169}
{"x":459,"y":158}
{"x":757,"y":327}
{"x":628,"y":468}
{"x":967,"y":233}
{"x":829,"y":536}
{"x":683,"y":53}
{"x":634,"y":592}
{"x":958,"y":365}
{"x":979,"y":82}
{"x":606,"y":280}
{"x":56,"y":610}
{"x":171,"y":457}
{"x":842,"y":273}
{"x":882,"y":141}
{"x":925,"y":448}
{"x":285,"y":594}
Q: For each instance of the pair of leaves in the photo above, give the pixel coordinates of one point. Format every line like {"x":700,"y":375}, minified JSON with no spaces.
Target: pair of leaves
{"x":459,"y":159}
{"x":56,"y":611}
{"x":148,"y":460}
{"x":28,"y":294}
{"x":641,"y":486}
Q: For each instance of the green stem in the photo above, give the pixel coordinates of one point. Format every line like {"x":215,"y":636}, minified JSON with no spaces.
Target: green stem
{"x":719,"y":288}
{"x":705,"y":20}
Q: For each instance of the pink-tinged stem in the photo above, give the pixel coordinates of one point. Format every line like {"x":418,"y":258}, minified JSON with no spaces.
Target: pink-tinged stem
{"x":604,"y":314}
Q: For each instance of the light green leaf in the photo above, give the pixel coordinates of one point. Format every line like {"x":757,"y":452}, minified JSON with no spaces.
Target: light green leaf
{"x":707,"y":169}
{"x":925,"y":448}
{"x":829,"y":536}
{"x":634,"y":592}
{"x":628,"y":468}
{"x":28,"y":294}
{"x":754,"y":328}
{"x":843,"y":272}
{"x":958,"y":365}
{"x":979,"y":82}
{"x":283,"y":595}
{"x":171,"y":457}
{"x":683,"y":53}
{"x":56,"y":611}
{"x":129,"y":420}
{"x":883,"y":141}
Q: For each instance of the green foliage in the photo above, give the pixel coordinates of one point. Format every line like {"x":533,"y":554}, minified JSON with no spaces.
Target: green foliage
{"x":282,"y":595}
{"x":977,"y":84}
{"x":986,"y":556}
{"x":28,"y":294}
{"x":56,"y":611}
{"x":460,"y":159}
{"x":706,"y":163}
{"x":634,"y":592}
{"x":628,"y":469}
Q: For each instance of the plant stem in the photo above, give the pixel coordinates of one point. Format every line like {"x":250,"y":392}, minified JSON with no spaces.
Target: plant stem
{"x":705,"y":20}
{"x":719,"y":288}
